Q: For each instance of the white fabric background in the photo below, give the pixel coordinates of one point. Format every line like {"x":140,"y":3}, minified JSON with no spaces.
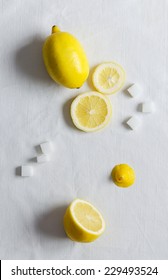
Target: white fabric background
{"x":34,"y":109}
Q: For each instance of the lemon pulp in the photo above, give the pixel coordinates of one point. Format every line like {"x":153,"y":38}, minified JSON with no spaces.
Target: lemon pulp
{"x":108,"y":77}
{"x":87,"y":217}
{"x":91,"y":111}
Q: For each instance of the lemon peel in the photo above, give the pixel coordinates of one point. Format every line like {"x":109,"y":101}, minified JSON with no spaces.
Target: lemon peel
{"x":123,"y":175}
{"x":65,"y":59}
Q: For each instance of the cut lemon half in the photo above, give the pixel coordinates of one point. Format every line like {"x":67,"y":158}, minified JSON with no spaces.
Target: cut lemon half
{"x":91,"y":111}
{"x":83,"y":222}
{"x":108,"y":77}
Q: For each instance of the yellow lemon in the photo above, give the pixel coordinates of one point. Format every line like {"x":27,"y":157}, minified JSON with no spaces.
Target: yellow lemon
{"x":108,"y":77}
{"x":65,"y":59}
{"x":123,"y":175}
{"x":91,"y":111}
{"x":83,"y":222}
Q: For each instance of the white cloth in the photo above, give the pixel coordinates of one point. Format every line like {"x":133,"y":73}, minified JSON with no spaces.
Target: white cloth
{"x":33,"y":109}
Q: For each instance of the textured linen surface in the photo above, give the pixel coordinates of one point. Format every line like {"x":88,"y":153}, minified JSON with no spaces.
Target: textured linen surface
{"x":34,"y":109}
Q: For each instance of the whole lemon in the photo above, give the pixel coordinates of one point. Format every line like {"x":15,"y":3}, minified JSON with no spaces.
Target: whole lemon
{"x":65,"y":59}
{"x":123,"y":175}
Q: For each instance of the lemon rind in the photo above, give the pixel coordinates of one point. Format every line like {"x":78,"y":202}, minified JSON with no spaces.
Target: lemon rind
{"x":123,"y":184}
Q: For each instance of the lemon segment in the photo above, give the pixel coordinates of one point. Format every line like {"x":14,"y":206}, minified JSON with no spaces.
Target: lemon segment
{"x":108,"y":77}
{"x":91,"y":111}
{"x":83,"y":222}
{"x":123,"y":175}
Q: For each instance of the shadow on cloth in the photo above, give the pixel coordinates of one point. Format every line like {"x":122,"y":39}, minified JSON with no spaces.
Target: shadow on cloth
{"x":29,"y":61}
{"x":89,"y":80}
{"x":66,"y":113}
{"x":51,"y":223}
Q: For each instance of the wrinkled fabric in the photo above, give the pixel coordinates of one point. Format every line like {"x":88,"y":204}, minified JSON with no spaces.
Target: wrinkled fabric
{"x":34,"y":109}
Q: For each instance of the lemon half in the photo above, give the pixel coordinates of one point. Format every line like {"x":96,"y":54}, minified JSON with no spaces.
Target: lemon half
{"x":91,"y":111}
{"x":108,"y":77}
{"x":83,"y":222}
{"x":123,"y":175}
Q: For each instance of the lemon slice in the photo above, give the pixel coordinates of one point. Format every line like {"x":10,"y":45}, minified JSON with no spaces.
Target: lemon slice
{"x":123,"y":175}
{"x":108,"y":77}
{"x":83,"y":222}
{"x":91,"y":111}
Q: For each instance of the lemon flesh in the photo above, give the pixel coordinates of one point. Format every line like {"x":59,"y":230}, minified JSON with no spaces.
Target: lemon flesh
{"x":65,"y":59}
{"x":108,"y":77}
{"x":123,"y":175}
{"x":91,"y":111}
{"x":83,"y":222}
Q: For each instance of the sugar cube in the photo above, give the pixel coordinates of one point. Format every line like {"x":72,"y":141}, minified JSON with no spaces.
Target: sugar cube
{"x":46,"y":147}
{"x":133,"y":122}
{"x":134,"y":90}
{"x":147,"y":107}
{"x":42,"y":158}
{"x":26,"y":171}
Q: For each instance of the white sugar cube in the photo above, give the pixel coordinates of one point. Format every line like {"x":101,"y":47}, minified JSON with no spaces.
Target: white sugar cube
{"x":134,"y":90}
{"x":46,"y":147}
{"x":42,"y":158}
{"x":133,"y":122}
{"x":26,"y":171}
{"x":147,"y":107}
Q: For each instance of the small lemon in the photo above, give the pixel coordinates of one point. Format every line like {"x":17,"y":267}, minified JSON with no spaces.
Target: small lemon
{"x":123,"y":175}
{"x":65,"y":59}
{"x":83,"y":222}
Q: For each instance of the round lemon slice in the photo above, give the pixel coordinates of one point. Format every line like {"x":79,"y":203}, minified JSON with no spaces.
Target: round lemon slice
{"x":123,"y":175}
{"x":108,"y":77}
{"x":83,"y":222}
{"x":91,"y":111}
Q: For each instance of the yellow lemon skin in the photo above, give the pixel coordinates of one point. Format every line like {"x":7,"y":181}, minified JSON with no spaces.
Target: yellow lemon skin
{"x":65,"y":59}
{"x":123,"y":175}
{"x":74,"y":231}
